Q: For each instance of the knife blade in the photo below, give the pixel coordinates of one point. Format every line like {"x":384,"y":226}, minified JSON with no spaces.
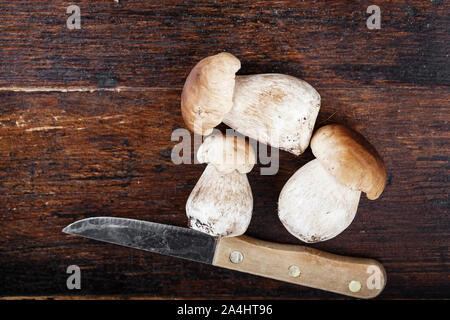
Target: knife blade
{"x":149,"y":236}
{"x":356,"y":277}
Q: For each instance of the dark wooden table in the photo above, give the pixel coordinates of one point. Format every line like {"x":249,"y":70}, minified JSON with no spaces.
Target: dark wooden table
{"x":86,"y":118}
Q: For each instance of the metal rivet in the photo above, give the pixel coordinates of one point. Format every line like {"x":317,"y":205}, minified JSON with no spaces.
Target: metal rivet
{"x":236,"y":257}
{"x":294,"y":271}
{"x":354,"y":286}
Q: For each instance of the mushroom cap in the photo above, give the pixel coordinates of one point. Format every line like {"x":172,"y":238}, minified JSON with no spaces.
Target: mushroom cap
{"x":350,"y":158}
{"x":208,"y":92}
{"x":227,"y":153}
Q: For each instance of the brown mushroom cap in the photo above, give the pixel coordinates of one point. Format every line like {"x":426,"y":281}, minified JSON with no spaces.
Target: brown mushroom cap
{"x":208,"y":92}
{"x":227,"y":153}
{"x":350,"y":158}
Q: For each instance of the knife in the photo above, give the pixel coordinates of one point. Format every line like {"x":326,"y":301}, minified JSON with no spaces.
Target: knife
{"x":355,"y":277}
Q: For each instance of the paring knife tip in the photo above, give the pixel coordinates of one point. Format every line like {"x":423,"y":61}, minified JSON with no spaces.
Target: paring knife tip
{"x":66,"y":229}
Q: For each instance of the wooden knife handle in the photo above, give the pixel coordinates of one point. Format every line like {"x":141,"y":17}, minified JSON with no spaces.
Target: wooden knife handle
{"x":355,"y":277}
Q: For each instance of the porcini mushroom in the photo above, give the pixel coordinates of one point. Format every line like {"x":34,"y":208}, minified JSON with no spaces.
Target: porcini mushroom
{"x":321,"y":199}
{"x":221,"y":202}
{"x":275,"y":109}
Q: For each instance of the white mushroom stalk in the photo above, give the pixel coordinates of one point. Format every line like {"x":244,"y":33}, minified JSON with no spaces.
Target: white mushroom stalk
{"x":321,"y":199}
{"x":314,"y":207}
{"x":275,"y":109}
{"x":221,"y":202}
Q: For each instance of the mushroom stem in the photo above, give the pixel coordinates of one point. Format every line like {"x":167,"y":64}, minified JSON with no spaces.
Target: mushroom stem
{"x":314,"y":207}
{"x":275,"y":109}
{"x":220,"y":204}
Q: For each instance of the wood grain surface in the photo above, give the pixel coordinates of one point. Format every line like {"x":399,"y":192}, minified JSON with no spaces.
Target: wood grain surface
{"x":86,"y":118}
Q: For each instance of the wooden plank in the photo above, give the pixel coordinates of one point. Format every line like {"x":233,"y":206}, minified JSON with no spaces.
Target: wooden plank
{"x":155,"y":43}
{"x":71,"y":155}
{"x":68,"y":155}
